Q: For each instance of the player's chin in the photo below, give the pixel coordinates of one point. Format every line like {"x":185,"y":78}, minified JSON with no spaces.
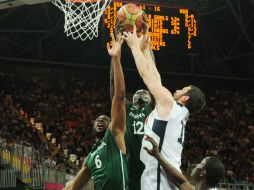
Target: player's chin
{"x":101,"y":129}
{"x":141,"y":105}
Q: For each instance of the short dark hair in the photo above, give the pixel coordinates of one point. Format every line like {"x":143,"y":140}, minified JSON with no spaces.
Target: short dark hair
{"x":215,"y":171}
{"x":196,"y":100}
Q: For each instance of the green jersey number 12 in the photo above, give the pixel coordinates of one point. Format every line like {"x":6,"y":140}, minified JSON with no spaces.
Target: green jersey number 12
{"x":138,"y":127}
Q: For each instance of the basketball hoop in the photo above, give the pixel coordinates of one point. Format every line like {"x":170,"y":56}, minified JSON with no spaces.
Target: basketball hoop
{"x":82,"y":17}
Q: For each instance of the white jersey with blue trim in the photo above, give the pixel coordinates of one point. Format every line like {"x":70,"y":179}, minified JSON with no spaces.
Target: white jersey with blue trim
{"x":168,"y":132}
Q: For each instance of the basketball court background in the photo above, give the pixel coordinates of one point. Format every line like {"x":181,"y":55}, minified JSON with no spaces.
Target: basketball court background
{"x":31,"y":33}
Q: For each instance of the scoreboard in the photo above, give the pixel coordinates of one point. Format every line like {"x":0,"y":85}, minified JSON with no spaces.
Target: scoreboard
{"x":173,"y":29}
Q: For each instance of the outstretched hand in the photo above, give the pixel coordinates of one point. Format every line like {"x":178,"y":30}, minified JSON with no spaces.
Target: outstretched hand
{"x":114,"y":49}
{"x":155,"y":149}
{"x":132,"y":39}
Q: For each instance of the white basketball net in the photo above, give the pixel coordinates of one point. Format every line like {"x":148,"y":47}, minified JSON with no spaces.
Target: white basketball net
{"x":82,"y":17}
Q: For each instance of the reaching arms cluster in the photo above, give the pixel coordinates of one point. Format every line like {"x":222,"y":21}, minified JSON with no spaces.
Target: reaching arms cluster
{"x":148,"y":71}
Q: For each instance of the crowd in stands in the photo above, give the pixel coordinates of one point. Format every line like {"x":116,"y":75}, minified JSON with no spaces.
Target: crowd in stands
{"x":67,"y":107}
{"x":225,"y":128}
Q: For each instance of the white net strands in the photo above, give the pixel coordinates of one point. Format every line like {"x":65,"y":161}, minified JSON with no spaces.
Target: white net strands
{"x":82,"y":17}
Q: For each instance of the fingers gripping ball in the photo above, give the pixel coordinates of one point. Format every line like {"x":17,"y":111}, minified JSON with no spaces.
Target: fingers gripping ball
{"x":128,"y":15}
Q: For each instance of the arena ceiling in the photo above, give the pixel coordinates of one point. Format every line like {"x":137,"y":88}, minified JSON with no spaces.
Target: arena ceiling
{"x":32,"y":31}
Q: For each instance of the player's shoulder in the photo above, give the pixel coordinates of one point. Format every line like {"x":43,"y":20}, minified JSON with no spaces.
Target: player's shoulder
{"x":150,"y":107}
{"x":129,"y":106}
{"x":95,"y":146}
{"x":108,"y":135}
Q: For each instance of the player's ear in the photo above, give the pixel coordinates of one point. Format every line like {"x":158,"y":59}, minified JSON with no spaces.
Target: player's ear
{"x":202,"y":173}
{"x":185,"y":98}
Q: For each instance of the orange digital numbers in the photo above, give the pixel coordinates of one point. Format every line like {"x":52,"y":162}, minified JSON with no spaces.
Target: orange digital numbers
{"x":165,"y":26}
{"x":157,"y":8}
{"x":111,"y":15}
{"x":157,"y":25}
{"x":175,"y":22}
{"x":191,"y":25}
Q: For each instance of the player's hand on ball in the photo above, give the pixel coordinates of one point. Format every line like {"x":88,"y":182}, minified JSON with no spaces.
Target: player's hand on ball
{"x":132,"y":39}
{"x":155,"y":149}
{"x":114,"y":48}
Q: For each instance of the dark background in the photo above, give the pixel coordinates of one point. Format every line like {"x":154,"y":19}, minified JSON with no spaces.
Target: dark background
{"x":33,"y":36}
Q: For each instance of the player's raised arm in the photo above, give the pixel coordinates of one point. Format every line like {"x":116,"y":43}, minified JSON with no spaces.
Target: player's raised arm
{"x":117,"y":126}
{"x":173,"y":174}
{"x":111,"y":80}
{"x":163,"y":98}
{"x":115,"y":59}
{"x":148,"y":52}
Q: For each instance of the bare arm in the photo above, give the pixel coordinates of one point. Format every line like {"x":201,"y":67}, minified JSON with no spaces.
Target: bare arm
{"x":115,"y":56}
{"x":81,"y":179}
{"x":111,"y":80}
{"x":163,"y":98}
{"x":117,"y":126}
{"x":173,"y":174}
{"x":148,"y":52}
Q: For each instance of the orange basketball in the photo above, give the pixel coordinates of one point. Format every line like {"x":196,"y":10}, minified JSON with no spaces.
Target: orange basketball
{"x":128,"y":15}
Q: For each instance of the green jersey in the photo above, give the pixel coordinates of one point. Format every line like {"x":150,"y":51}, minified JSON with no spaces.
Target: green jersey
{"x":135,"y":119}
{"x":108,"y":165}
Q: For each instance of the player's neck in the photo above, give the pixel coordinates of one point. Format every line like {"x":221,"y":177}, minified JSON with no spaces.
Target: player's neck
{"x":97,"y":139}
{"x":137,"y":107}
{"x":201,"y":186}
{"x":181,"y":102}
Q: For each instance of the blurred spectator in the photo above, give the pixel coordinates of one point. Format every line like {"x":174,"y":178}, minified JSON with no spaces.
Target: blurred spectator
{"x":66,"y":106}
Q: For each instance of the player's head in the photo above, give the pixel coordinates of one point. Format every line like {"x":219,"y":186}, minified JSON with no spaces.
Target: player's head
{"x":192,"y":97}
{"x":211,"y":170}
{"x":100,"y":126}
{"x":141,"y":98}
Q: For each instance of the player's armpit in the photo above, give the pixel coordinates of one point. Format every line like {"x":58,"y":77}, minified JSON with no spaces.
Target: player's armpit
{"x":163,"y":97}
{"x":187,"y":186}
{"x":121,"y":142}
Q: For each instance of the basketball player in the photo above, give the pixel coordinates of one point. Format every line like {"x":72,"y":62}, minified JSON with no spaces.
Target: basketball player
{"x":206,"y":175}
{"x":166,"y":123}
{"x":107,"y":162}
{"x":136,"y":113}
{"x":99,"y":128}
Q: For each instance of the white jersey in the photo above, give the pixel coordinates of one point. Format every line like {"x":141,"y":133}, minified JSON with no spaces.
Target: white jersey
{"x":168,"y":132}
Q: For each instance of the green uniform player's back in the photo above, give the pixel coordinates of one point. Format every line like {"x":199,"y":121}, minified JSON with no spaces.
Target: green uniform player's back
{"x":108,"y":165}
{"x":135,"y":120}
